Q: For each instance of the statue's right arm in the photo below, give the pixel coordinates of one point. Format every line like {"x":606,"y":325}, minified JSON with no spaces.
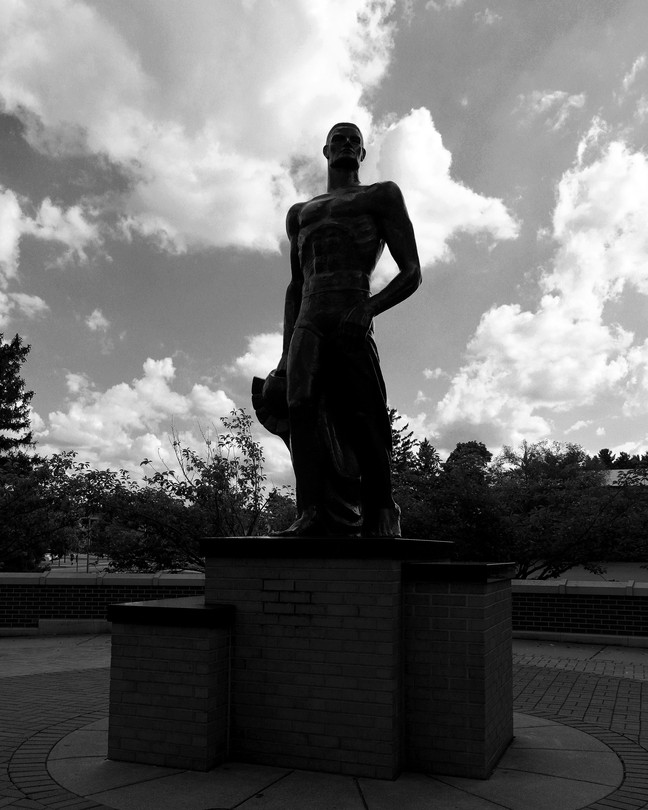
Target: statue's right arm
{"x":294,"y":291}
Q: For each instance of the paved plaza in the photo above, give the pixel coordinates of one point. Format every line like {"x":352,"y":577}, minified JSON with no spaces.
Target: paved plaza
{"x":581,"y":740}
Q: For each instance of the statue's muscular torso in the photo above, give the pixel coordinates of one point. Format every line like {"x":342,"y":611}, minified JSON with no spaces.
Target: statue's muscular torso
{"x":339,"y":239}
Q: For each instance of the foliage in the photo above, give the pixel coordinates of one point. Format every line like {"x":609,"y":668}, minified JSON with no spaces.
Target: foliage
{"x":41,"y":502}
{"x":553,"y":510}
{"x":546,"y":506}
{"x":221,"y":493}
{"x":14,"y":399}
{"x":58,"y":503}
{"x":606,"y":459}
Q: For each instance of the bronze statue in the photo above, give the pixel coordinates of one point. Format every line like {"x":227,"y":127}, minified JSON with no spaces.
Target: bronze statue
{"x":327,"y":397}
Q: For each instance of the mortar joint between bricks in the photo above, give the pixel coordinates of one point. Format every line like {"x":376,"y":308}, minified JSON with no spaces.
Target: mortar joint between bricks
{"x":278,"y":584}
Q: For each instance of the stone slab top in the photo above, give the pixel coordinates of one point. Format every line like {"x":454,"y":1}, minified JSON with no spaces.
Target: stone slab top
{"x":392,"y":548}
{"x":185,"y":611}
{"x":459,"y":571}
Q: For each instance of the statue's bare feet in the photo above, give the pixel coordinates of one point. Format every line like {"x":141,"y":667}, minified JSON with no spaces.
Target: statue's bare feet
{"x":385,"y":523}
{"x":308,"y":524}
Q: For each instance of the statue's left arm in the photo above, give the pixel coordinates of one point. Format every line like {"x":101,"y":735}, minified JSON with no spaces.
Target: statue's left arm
{"x":398,"y":233}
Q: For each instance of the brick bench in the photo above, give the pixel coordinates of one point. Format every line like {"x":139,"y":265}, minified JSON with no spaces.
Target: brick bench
{"x":169,"y":683}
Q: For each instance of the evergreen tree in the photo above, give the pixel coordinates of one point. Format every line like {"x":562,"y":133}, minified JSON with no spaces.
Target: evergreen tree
{"x":14,"y":399}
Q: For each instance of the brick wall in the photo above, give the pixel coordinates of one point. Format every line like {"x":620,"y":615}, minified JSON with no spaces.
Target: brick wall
{"x":315,"y":661}
{"x":615,"y":609}
{"x":458,"y":669}
{"x":27,"y":599}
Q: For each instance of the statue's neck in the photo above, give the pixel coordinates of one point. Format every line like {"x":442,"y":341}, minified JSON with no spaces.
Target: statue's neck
{"x":342,"y":178}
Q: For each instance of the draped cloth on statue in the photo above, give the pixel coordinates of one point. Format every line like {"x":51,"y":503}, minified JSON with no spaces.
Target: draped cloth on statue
{"x":350,"y":386}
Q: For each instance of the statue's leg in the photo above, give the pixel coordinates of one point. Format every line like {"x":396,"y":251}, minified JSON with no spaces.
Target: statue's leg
{"x":304,"y":361}
{"x":370,"y":431}
{"x":381,"y":515}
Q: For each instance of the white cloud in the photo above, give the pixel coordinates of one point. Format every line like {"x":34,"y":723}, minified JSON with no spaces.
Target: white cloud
{"x":11,"y":228}
{"x":52,"y":223}
{"x":630,"y":77}
{"x":27,"y":306}
{"x":641,"y":111}
{"x":70,"y":227}
{"x":487,"y":17}
{"x":157,"y":88}
{"x":554,"y":106}
{"x":437,"y":5}
{"x":277,"y":466}
{"x":97,"y":321}
{"x":412,"y":153}
{"x":125,"y":423}
{"x":522,"y":366}
{"x":262,"y":356}
{"x":579,"y":425}
{"x":434,"y":373}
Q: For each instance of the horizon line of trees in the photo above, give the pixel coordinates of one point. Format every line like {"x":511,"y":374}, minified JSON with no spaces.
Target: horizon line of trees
{"x":544,"y":506}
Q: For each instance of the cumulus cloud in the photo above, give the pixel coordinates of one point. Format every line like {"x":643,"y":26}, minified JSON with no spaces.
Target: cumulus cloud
{"x":412,"y":153}
{"x":27,"y":306}
{"x":97,"y":321}
{"x":156,"y":88}
{"x":205,"y":169}
{"x":579,"y":425}
{"x":487,"y":17}
{"x":641,"y":110}
{"x":127,"y":422}
{"x":11,"y":229}
{"x":630,"y":77}
{"x":554,"y":106}
{"x":68,"y":227}
{"x":522,"y":366}
{"x":262,"y":356}
{"x":434,"y":373}
{"x":438,"y":5}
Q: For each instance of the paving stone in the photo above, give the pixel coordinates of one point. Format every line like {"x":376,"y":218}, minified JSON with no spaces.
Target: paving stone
{"x":591,"y":693}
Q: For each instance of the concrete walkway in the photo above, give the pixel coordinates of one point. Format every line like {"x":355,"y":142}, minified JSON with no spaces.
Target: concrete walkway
{"x":581,"y":740}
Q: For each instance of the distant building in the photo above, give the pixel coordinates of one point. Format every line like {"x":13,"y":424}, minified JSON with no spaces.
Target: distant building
{"x":638,"y":477}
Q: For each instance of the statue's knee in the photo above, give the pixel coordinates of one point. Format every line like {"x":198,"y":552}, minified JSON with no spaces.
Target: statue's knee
{"x":300,"y":405}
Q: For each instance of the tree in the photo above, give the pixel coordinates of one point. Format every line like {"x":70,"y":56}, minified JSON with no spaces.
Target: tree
{"x":40,"y":507}
{"x":466,"y":510}
{"x":220,"y":493}
{"x":556,"y":513}
{"x":472,"y":458}
{"x":415,"y":466}
{"x":14,"y":399}
{"x":606,"y":458}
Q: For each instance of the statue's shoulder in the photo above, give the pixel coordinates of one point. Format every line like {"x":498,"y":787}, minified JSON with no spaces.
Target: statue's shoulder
{"x":292,"y":218}
{"x":387,"y":190}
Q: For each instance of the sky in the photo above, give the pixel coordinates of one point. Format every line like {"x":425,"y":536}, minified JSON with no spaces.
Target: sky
{"x":149,"y":152}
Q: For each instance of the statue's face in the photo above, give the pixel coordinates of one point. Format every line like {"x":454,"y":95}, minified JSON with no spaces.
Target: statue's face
{"x":344,"y":147}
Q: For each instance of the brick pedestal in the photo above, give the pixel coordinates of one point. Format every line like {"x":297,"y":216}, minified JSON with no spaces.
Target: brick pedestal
{"x":317,"y":651}
{"x":169,"y":683}
{"x":358,"y":657}
{"x":458,"y":667}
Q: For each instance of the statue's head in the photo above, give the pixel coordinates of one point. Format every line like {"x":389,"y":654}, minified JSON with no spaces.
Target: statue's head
{"x":344,"y":146}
